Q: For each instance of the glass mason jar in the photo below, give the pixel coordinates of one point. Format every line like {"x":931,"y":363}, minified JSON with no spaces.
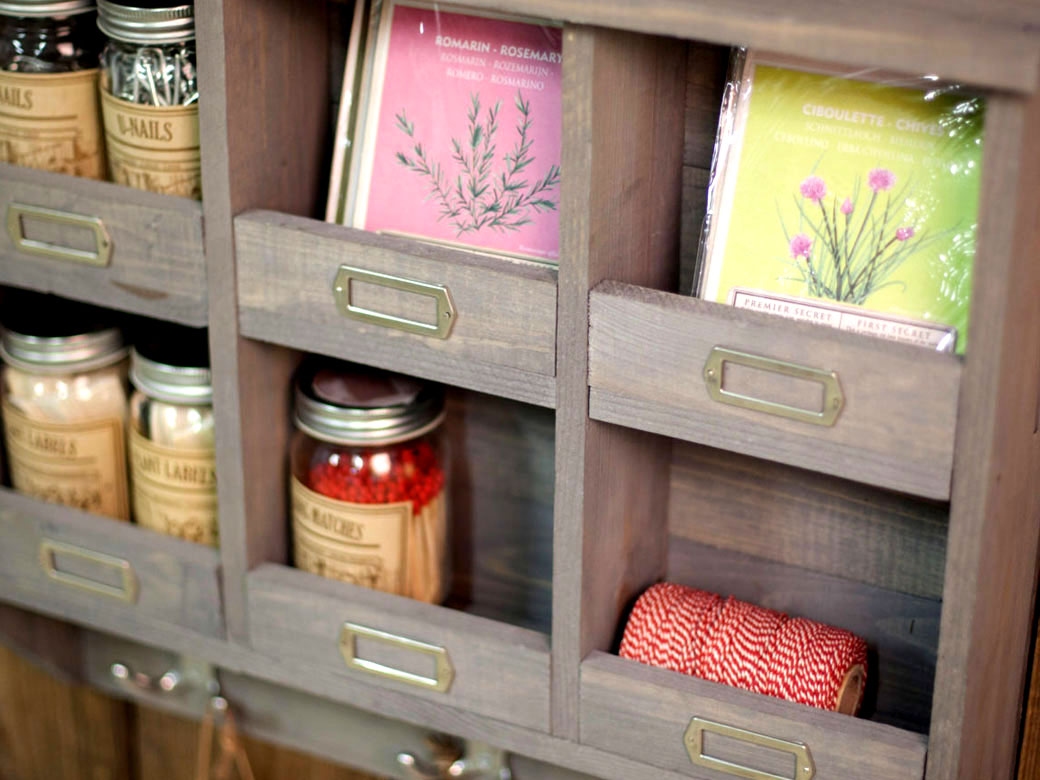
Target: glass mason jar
{"x":173,"y":473}
{"x":48,"y":86}
{"x":64,"y":414}
{"x":369,"y":481}
{"x":150,"y":96}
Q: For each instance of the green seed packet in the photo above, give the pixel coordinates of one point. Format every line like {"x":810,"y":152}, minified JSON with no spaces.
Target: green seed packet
{"x":846,"y":200}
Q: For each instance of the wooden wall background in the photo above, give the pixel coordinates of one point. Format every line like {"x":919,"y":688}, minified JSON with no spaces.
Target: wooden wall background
{"x":52,"y":729}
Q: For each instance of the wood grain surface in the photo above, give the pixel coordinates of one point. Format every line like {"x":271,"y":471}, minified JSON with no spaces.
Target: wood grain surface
{"x":991,"y":563}
{"x":177,"y":581}
{"x":647,"y":355}
{"x":622,"y":150}
{"x":503,"y":339}
{"x":52,"y":730}
{"x":825,"y":524}
{"x":642,"y":712}
{"x":156,"y":267}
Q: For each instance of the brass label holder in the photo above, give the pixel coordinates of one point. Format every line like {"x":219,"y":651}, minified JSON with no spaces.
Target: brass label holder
{"x":444,"y":672}
{"x":17,"y":213}
{"x":833,"y":397}
{"x":444,"y":318}
{"x":126,"y":591}
{"x":693,"y":739}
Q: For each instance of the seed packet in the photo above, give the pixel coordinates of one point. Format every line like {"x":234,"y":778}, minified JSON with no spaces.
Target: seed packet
{"x":845,"y":199}
{"x":458,"y":131}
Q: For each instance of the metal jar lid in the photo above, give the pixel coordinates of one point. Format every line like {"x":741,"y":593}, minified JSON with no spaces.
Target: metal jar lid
{"x":38,"y":8}
{"x":62,"y":354}
{"x":356,"y":405}
{"x":150,"y":25}
{"x":173,"y":384}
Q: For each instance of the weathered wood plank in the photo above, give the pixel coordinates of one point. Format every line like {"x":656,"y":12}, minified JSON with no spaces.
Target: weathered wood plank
{"x":177,"y":581}
{"x":806,"y":519}
{"x":995,"y":515}
{"x":156,"y":267}
{"x":622,"y":150}
{"x":641,"y":712}
{"x":647,"y":355}
{"x":295,"y":615}
{"x":52,"y":730}
{"x":902,"y":631}
{"x":503,"y":339}
{"x":501,"y":509}
{"x":921,"y":36}
{"x":263,"y":126}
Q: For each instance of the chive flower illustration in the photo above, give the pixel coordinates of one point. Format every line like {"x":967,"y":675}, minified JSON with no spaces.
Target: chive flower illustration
{"x":846,"y":249}
{"x":486,"y":189}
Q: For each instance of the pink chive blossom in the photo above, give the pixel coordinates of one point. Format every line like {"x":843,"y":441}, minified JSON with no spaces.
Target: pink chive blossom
{"x":846,"y":207}
{"x":801,"y":246}
{"x":880,"y":179}
{"x":814,"y":189}
{"x":905,"y":233}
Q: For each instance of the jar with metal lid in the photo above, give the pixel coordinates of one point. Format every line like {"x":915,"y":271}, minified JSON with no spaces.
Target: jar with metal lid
{"x":368,"y":480}
{"x":64,"y":415}
{"x":48,"y":86}
{"x":173,"y":473}
{"x":150,"y":94}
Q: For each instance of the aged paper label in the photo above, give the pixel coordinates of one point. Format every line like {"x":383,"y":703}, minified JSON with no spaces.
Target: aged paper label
{"x":174,"y":490}
{"x":363,"y":544}
{"x":153,"y":148}
{"x":51,"y":121}
{"x":78,"y":464}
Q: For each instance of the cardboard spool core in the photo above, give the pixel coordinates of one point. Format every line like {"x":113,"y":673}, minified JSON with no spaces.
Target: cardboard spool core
{"x":851,"y":692}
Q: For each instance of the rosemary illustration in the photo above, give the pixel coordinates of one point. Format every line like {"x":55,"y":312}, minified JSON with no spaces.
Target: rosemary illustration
{"x":848,"y":251}
{"x":486,"y":191}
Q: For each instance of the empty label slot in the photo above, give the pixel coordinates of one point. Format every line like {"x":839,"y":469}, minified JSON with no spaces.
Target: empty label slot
{"x":765,"y":761}
{"x":393,"y":302}
{"x":772,"y":387}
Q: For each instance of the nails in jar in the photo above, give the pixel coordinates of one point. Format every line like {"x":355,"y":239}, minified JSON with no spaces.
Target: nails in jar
{"x":369,"y":481}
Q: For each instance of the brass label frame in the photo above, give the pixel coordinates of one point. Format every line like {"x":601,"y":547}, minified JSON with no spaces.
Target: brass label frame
{"x":440,"y":682}
{"x":693,"y":739}
{"x":833,"y":397}
{"x":444,"y":319}
{"x":127,"y":592}
{"x":18,"y":212}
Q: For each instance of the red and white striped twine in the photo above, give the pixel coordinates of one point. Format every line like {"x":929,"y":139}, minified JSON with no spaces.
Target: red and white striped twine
{"x":736,"y":643}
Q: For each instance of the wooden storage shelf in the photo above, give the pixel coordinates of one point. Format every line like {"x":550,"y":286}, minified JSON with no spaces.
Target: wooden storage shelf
{"x":502,"y":337}
{"x":587,"y":440}
{"x":647,"y":356}
{"x":296,"y":616}
{"x":156,"y":265}
{"x":643,"y":712}
{"x":54,"y":558}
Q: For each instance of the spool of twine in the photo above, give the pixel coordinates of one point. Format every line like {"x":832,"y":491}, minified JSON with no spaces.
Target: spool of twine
{"x":728,"y":641}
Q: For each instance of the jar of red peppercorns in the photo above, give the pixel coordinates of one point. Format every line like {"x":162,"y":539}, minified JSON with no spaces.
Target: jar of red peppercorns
{"x":368,"y":480}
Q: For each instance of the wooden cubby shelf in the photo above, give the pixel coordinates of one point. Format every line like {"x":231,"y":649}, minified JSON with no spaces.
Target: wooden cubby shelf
{"x":588,"y":458}
{"x":156,"y":266}
{"x":55,"y":559}
{"x":502,"y":339}
{"x":647,"y":356}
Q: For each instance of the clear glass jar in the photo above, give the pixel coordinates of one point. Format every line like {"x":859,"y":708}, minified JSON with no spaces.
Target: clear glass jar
{"x":369,"y":480}
{"x":171,"y":445}
{"x":48,"y":86}
{"x":64,"y":413}
{"x":149,"y":96}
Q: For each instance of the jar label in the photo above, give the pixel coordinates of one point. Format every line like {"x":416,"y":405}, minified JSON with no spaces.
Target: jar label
{"x":363,"y":544}
{"x":50,"y":121}
{"x":174,"y":490}
{"x":153,"y":148}
{"x":78,"y":464}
